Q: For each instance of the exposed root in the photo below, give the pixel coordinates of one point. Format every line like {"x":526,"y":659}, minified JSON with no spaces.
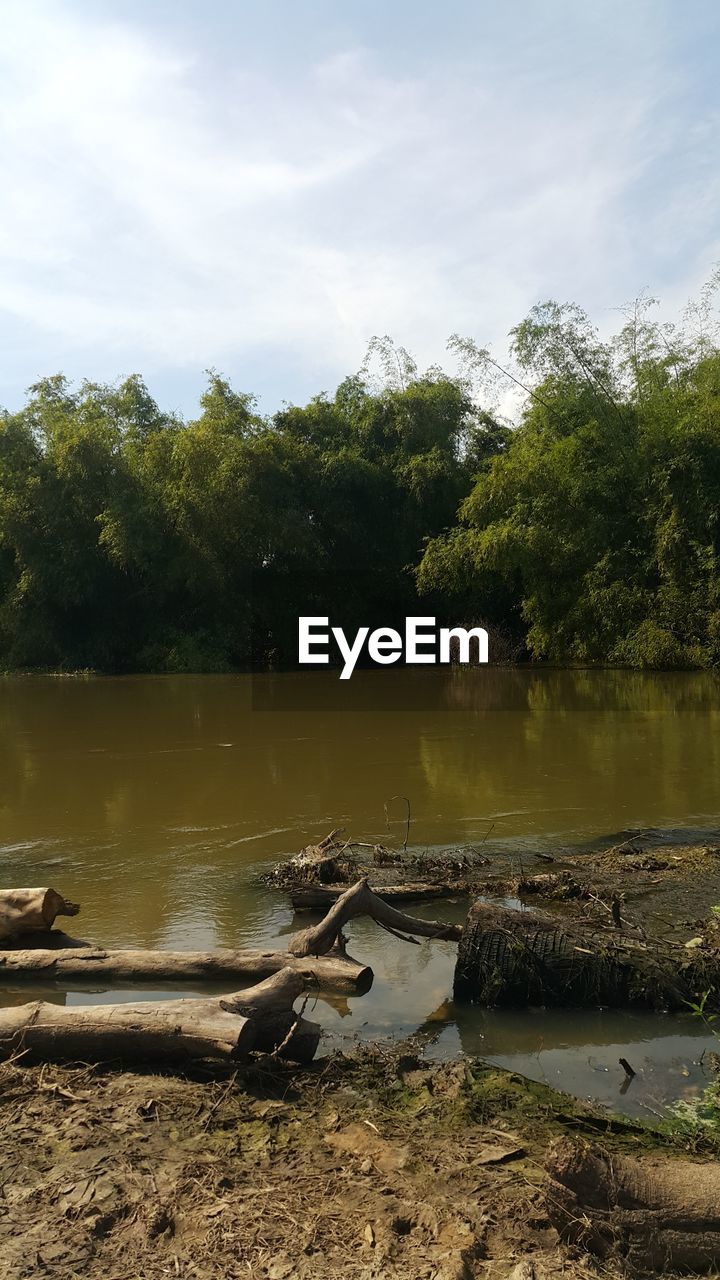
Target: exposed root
{"x":657,"y":1216}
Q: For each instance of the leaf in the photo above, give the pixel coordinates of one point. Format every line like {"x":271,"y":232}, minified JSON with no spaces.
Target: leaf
{"x":359,"y":1140}
{"x":498,"y":1153}
{"x":281,"y":1268}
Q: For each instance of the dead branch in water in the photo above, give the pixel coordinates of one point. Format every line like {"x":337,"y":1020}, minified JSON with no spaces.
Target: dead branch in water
{"x":336,"y":972}
{"x":360,"y":900}
{"x":407,"y":818}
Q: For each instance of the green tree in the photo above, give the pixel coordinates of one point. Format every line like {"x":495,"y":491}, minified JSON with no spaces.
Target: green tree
{"x":601,"y":516}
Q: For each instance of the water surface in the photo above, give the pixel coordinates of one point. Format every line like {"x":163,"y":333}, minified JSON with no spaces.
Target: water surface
{"x":157,"y":802}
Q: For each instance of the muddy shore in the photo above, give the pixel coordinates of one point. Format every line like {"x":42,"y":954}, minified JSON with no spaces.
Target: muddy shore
{"x":371,"y":1166}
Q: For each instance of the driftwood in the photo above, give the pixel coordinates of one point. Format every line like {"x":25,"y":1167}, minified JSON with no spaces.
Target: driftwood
{"x":335,"y":863}
{"x":660,"y":1216}
{"x":317,"y":863}
{"x":549,"y":884}
{"x":524,"y":958}
{"x":25,"y":910}
{"x":269,"y":1005}
{"x":316,"y":852}
{"x":360,"y":900}
{"x":175,"y":1030}
{"x":317,"y":897}
{"x":333,"y":972}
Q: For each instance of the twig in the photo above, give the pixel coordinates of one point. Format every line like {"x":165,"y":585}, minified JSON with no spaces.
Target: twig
{"x":407,"y":821}
{"x":293,"y":1028}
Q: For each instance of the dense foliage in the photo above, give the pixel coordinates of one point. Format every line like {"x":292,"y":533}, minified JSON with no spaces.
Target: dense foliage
{"x":130,"y":539}
{"x":603,"y":515}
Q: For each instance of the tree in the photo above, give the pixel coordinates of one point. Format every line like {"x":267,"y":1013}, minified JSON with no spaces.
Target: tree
{"x":601,"y":515}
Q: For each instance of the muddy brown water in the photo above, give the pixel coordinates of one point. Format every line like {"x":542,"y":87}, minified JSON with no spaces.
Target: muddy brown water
{"x":157,"y":802}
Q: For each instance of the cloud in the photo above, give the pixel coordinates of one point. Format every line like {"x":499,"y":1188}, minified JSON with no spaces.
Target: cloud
{"x":167,"y":210}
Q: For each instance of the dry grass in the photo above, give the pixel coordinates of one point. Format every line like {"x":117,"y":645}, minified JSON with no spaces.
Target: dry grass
{"x":366,"y":1168}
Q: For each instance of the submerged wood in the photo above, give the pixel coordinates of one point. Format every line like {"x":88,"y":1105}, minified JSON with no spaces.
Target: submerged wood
{"x":316,"y":897}
{"x":510,"y":957}
{"x":260,"y":1017}
{"x":359,"y":900}
{"x":660,"y":1216}
{"x":26,"y":910}
{"x":332,"y":972}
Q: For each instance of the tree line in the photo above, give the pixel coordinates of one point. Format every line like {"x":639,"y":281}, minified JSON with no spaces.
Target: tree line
{"x":588,"y":531}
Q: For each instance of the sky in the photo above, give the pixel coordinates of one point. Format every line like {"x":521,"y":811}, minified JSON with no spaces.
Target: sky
{"x":260,"y":187}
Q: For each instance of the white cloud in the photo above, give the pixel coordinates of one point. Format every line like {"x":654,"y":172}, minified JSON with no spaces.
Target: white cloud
{"x":160,"y":213}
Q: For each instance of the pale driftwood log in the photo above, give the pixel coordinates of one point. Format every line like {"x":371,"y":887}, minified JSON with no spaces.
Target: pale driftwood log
{"x":319,"y":897}
{"x":658,"y":1214}
{"x":279,"y":1030}
{"x":269,"y":1005}
{"x":25,"y":910}
{"x":336,"y":972}
{"x":360,"y":900}
{"x":129,"y":1032}
{"x":260,"y":1017}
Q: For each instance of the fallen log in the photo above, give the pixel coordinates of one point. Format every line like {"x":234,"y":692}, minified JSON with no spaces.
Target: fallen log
{"x":510,"y":957}
{"x":129,"y":1032}
{"x":260,"y":1017}
{"x":333,"y":972}
{"x":26,"y":910}
{"x":359,"y":900}
{"x":661,"y":1215}
{"x":315,"y":897}
{"x":278,"y":1030}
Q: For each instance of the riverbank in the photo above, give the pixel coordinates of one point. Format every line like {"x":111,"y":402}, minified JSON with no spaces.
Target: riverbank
{"x":367,"y":1166}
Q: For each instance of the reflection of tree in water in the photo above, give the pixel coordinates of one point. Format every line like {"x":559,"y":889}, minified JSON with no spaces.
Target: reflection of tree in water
{"x":618,"y":747}
{"x":481,"y":689}
{"x":175,"y":754}
{"x":570,"y":691}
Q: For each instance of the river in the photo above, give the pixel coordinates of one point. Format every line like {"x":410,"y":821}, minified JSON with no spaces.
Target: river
{"x":157,"y":802}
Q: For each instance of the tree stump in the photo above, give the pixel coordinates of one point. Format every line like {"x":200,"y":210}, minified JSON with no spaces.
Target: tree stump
{"x":27,"y":910}
{"x":511,"y":957}
{"x":658,"y":1214}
